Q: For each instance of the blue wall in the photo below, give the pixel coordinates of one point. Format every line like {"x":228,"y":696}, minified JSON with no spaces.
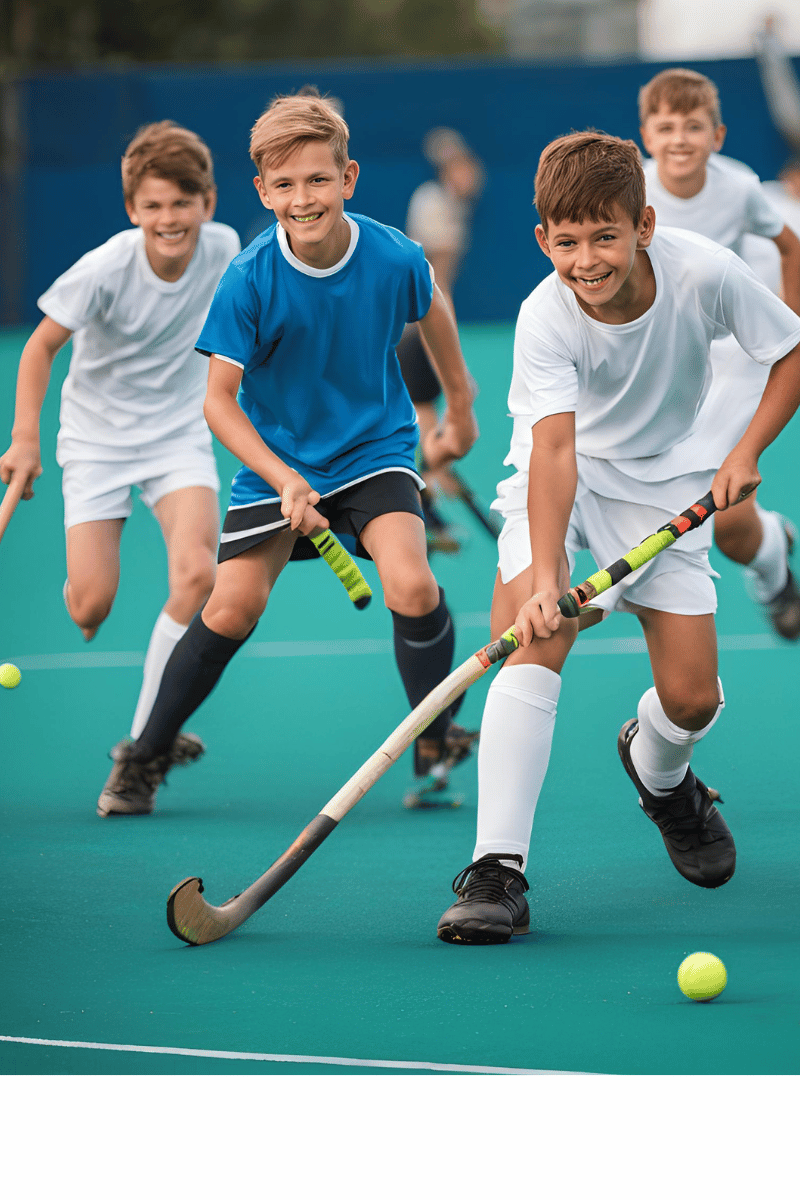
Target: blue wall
{"x":77,"y":125}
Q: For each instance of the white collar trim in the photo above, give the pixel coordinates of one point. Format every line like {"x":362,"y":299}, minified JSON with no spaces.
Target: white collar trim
{"x":317,"y":272}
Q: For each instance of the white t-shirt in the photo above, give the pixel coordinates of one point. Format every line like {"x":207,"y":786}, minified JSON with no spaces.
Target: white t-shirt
{"x":437,"y":220}
{"x":730,"y":204}
{"x":763,"y":256}
{"x":135,"y":379}
{"x":636,"y":389}
{"x":733,"y":209}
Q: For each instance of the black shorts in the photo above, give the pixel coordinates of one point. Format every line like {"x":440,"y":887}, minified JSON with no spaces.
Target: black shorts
{"x":418,"y":374}
{"x":348,"y":511}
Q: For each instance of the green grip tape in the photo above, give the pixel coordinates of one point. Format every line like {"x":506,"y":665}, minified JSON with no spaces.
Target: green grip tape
{"x":343,"y":567}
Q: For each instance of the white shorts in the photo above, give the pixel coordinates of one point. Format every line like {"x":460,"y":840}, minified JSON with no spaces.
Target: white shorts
{"x":679,"y":580}
{"x":101,"y":491}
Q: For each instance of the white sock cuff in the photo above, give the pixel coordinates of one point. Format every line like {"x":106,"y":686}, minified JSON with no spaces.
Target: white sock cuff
{"x":531,"y":683}
{"x":773,"y":539}
{"x":650,"y":709}
{"x":506,"y":850}
{"x":166,"y":624}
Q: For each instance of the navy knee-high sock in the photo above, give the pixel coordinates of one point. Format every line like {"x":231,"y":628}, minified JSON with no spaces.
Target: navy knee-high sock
{"x":192,"y":671}
{"x":423,"y":647}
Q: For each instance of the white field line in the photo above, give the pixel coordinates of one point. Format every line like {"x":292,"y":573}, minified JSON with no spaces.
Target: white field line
{"x":588,"y":645}
{"x":305,"y":1059}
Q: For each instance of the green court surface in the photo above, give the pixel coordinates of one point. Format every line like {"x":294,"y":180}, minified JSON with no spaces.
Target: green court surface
{"x":343,"y":963}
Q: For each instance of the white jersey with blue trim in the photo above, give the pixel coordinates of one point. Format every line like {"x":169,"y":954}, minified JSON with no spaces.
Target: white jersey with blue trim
{"x":321,"y":381}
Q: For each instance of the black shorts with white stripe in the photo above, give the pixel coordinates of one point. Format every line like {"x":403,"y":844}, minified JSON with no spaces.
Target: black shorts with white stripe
{"x":348,"y":511}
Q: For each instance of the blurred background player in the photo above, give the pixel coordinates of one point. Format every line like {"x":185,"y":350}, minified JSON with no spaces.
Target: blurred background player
{"x":132,"y":402}
{"x":439,"y":218}
{"x":691,"y":186}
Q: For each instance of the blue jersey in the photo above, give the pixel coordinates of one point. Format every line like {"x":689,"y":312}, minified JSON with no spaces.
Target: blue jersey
{"x":322,"y":382}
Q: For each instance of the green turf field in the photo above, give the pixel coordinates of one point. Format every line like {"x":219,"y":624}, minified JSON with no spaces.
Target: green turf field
{"x":344,"y":964}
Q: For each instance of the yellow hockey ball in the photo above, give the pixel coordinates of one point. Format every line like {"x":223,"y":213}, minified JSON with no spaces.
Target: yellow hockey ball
{"x":9,"y":675}
{"x":702,"y":976}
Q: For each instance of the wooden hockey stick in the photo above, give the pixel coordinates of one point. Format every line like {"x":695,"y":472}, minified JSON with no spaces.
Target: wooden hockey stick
{"x":10,"y":501}
{"x":490,"y":521}
{"x":194,"y":921}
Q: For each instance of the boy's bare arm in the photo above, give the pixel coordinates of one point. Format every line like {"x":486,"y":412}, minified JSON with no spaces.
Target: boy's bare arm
{"x":33,"y":377}
{"x":459,"y":429}
{"x":231,"y":426}
{"x":552,"y":481}
{"x":739,"y":473}
{"x":789,"y":246}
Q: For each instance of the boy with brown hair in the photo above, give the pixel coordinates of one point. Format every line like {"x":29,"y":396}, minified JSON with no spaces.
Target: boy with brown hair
{"x":131,"y":405}
{"x":691,"y":186}
{"x":610,"y":370}
{"x":304,"y":387}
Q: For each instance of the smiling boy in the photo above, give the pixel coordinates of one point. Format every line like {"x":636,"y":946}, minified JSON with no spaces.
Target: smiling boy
{"x":132,"y":402}
{"x":692,"y":187}
{"x":610,"y":370}
{"x":305,"y":389}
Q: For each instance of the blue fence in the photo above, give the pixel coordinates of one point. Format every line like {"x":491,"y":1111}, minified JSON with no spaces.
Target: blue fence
{"x":75,"y":126}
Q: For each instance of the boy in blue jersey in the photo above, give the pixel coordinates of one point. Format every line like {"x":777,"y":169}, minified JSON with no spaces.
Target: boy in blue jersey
{"x":305,"y":389}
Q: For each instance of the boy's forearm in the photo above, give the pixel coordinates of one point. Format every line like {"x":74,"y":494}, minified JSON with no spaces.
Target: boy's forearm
{"x":233,"y":428}
{"x":33,"y":379}
{"x":789,"y":246}
{"x":440,"y":335}
{"x":552,"y":482}
{"x":777,"y":407}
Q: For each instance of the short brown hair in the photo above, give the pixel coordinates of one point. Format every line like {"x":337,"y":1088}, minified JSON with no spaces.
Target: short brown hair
{"x":583,"y":175}
{"x":167,"y":151}
{"x":682,"y":91}
{"x":290,"y":122}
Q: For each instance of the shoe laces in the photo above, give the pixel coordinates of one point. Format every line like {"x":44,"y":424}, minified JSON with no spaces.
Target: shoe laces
{"x":487,"y":879}
{"x":688,"y":818}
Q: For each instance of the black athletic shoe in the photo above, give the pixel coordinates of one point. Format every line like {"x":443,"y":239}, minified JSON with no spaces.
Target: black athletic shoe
{"x":697,"y":839}
{"x":490,"y":906}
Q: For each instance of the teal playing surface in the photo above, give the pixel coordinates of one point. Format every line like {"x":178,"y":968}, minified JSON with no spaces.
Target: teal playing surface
{"x":344,"y":964}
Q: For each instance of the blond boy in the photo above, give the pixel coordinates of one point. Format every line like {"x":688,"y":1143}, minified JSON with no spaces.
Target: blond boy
{"x":132,"y":402}
{"x":305,"y":389}
{"x":691,"y":186}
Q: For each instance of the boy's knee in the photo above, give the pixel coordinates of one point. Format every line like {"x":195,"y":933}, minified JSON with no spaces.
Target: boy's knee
{"x":414,"y":595}
{"x":233,"y":620}
{"x":88,"y":609}
{"x":694,"y":712}
{"x":194,"y":580}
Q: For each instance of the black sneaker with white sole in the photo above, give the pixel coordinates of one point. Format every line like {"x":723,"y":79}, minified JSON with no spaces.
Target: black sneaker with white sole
{"x":697,"y":839}
{"x":491,"y":905}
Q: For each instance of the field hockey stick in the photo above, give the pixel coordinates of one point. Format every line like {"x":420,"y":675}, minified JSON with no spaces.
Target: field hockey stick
{"x":489,"y":520}
{"x":343,"y":567}
{"x":11,"y":500}
{"x":694,"y":516}
{"x":194,"y":921}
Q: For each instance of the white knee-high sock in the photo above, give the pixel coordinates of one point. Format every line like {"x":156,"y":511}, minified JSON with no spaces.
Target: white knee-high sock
{"x":661,"y":750}
{"x":768,"y":571}
{"x":513,"y":753}
{"x":166,"y":633}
